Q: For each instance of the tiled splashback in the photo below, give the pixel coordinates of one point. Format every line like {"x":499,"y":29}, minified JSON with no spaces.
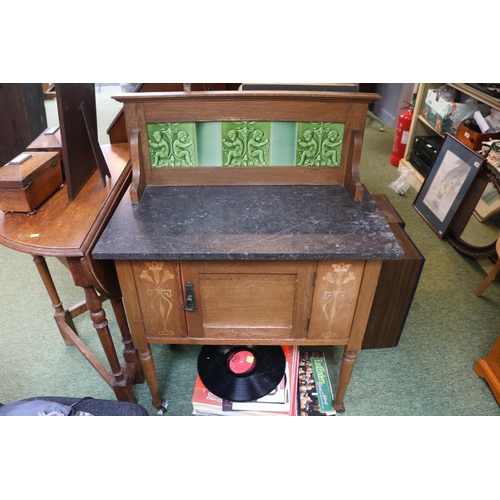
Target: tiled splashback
{"x":215,"y":144}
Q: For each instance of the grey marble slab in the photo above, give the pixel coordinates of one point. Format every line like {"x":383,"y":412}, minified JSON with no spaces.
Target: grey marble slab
{"x":247,"y":223}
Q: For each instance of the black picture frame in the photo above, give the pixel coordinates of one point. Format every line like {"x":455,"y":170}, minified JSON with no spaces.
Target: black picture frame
{"x":446,"y":186}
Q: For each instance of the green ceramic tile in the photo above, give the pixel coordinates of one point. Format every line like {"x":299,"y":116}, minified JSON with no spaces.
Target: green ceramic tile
{"x":172,"y":144}
{"x":208,"y":141}
{"x":319,"y":144}
{"x":246,"y":143}
{"x":283,"y":136}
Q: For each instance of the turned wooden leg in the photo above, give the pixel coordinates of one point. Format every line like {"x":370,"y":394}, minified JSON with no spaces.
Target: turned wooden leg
{"x":348,"y":360}
{"x":121,"y":384}
{"x":61,"y":315}
{"x":130,"y":353}
{"x":491,"y":276}
{"x":148,"y":365}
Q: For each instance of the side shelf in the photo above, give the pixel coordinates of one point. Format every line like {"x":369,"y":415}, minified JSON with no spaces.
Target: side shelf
{"x":397,"y":285}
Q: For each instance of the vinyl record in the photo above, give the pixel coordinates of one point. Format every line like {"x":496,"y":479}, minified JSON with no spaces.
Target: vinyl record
{"x":241,"y":373}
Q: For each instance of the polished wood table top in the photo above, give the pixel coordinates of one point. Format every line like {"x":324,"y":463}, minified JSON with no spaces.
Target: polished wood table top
{"x":64,"y":228}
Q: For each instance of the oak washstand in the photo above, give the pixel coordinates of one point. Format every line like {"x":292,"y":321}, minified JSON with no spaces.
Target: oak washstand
{"x":246,"y":223}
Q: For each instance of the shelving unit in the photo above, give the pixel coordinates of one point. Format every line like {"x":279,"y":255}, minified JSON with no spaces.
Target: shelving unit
{"x":489,"y":204}
{"x":420,"y":126}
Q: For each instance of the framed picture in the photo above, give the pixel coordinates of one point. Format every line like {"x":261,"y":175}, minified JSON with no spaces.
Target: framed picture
{"x":451,"y":177}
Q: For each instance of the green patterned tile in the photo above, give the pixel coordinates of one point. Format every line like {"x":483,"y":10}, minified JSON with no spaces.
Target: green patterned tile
{"x":172,"y":144}
{"x":319,"y":144}
{"x":246,"y":143}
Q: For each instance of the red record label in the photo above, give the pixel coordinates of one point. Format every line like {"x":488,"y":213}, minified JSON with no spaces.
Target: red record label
{"x":241,"y":361}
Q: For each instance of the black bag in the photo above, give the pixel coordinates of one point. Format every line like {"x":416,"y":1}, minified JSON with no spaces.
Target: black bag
{"x":39,"y":407}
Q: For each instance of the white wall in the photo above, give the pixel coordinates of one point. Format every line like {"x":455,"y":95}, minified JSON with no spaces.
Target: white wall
{"x":391,"y":99}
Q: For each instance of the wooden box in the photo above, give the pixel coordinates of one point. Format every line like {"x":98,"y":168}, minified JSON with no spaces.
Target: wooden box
{"x":49,"y":140}
{"x":473,"y":139}
{"x":28,"y":180}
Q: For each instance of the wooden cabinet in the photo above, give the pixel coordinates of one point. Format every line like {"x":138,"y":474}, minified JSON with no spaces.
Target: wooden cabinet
{"x":263,"y":234}
{"x":307,"y":302}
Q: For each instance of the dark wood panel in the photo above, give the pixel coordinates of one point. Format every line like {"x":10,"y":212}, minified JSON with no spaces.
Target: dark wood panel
{"x":79,"y":159}
{"x":22,"y":117}
{"x":396,"y":288}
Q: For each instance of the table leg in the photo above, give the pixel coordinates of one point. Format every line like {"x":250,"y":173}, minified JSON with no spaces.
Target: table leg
{"x":348,"y":360}
{"x":62,"y":316}
{"x":121,"y":383}
{"x":130,"y":354}
{"x":148,"y":365}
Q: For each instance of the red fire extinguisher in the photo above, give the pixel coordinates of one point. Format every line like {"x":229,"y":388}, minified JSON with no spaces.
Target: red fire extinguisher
{"x":401,"y":137}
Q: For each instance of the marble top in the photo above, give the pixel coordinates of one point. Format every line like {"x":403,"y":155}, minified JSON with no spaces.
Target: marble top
{"x":247,"y":223}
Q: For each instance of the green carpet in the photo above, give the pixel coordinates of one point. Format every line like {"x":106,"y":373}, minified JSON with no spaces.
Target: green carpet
{"x":429,"y":373}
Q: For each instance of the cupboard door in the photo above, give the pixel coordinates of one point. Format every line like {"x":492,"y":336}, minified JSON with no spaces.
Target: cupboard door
{"x":249,"y":300}
{"x":160,"y":299}
{"x":335,"y":298}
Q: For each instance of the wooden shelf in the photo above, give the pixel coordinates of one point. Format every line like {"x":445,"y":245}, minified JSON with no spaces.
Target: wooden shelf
{"x":476,"y":94}
{"x":427,"y":124}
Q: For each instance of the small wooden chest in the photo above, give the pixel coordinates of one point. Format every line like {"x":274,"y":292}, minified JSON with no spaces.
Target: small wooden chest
{"x":28,"y":180}
{"x":48,"y":140}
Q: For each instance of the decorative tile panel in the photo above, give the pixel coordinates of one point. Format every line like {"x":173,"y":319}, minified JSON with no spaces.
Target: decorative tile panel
{"x":172,"y":144}
{"x":319,"y":144}
{"x":245,"y":143}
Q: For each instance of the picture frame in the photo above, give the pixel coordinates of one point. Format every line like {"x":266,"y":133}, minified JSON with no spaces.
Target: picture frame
{"x":445,"y":188}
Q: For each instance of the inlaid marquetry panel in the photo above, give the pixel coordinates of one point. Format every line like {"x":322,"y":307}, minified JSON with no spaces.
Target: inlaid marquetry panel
{"x":160,"y":297}
{"x":335,"y":297}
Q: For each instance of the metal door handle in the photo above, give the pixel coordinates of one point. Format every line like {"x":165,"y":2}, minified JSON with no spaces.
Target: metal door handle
{"x":190,"y":304}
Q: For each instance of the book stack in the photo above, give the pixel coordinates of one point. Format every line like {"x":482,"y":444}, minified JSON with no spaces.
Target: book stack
{"x":282,"y":401}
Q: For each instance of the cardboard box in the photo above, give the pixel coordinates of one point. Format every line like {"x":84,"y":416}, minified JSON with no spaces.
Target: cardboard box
{"x":28,"y":180}
{"x":440,"y":114}
{"x":472,"y":139}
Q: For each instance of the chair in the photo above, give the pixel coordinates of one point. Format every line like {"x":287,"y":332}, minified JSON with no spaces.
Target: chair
{"x":491,"y":276}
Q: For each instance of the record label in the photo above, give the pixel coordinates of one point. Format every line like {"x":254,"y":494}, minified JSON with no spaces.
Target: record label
{"x":241,"y":373}
{"x":241,"y":362}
